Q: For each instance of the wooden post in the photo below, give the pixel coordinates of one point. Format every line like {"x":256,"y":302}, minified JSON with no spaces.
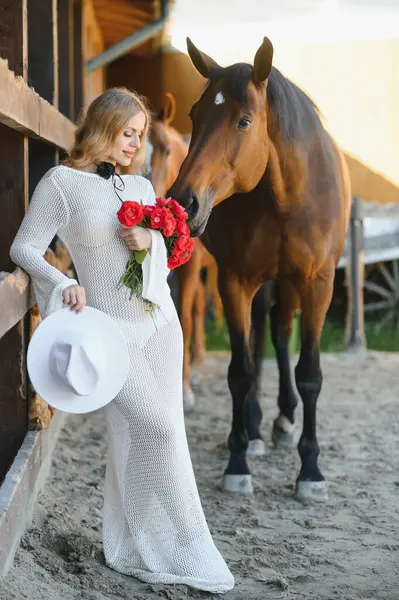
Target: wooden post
{"x":65,"y":58}
{"x":13,"y":202}
{"x":77,"y":57}
{"x":43,"y":49}
{"x":355,"y":337}
{"x":43,"y":76}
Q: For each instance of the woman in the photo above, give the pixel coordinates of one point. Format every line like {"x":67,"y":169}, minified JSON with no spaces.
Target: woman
{"x":153,"y":524}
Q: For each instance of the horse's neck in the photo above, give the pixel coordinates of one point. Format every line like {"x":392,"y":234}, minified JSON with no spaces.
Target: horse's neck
{"x":273,"y":182}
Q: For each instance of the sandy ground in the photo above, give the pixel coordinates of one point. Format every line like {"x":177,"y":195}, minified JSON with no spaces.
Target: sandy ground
{"x":276,"y":547}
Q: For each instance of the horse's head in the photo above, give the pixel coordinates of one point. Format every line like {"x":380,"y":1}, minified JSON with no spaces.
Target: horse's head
{"x":162,"y":136}
{"x":229,"y":146}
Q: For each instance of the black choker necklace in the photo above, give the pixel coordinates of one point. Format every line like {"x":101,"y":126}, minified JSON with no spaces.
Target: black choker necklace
{"x":107,"y":170}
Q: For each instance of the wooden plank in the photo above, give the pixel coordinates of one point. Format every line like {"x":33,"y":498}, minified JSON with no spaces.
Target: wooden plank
{"x":21,"y":108}
{"x":43,"y":71}
{"x":42,"y":157}
{"x":65,"y":58}
{"x":355,"y":337}
{"x":93,"y":45}
{"x":43,"y":49}
{"x":13,"y":394}
{"x":13,"y":375}
{"x":78,"y":57}
{"x":21,"y":486}
{"x":13,"y":35}
{"x":16,"y":298}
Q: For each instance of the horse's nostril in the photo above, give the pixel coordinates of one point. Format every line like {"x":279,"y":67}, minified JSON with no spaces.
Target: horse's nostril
{"x":193,"y":206}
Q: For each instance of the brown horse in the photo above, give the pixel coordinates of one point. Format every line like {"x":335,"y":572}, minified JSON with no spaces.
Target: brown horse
{"x":169,"y":150}
{"x":269,"y":187}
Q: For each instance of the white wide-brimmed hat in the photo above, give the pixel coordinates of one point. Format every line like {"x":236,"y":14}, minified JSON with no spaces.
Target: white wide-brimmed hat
{"x":78,"y":362}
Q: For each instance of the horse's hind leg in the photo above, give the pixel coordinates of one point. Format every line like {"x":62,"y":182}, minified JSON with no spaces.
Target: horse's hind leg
{"x":315,"y":299}
{"x":198,"y":346}
{"x":237,"y":301}
{"x":189,"y":278}
{"x":281,"y":316}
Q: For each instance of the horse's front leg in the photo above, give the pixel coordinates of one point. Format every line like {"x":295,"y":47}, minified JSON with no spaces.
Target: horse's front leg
{"x":260,"y":307}
{"x":281,"y":316}
{"x":237,"y":299}
{"x":315,"y":299}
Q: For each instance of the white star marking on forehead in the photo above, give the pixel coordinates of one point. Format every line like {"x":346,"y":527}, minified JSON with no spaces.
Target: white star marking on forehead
{"x":219,"y":98}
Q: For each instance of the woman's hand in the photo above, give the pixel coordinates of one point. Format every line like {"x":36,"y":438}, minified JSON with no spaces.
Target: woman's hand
{"x":74,"y":296}
{"x":136,"y":238}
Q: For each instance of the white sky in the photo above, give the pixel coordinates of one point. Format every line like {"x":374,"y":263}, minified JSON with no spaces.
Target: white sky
{"x":232,"y":30}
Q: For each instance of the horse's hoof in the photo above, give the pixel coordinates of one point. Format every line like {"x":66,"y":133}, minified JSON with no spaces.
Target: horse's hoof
{"x":188,"y":400}
{"x":238,"y":484}
{"x":311,"y":491}
{"x":283,"y":433}
{"x":256,"y":447}
{"x":195,"y":378}
{"x":282,"y":439}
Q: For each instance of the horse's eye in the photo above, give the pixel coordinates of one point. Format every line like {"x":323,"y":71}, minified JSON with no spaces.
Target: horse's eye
{"x":244,"y":122}
{"x":167,"y":151}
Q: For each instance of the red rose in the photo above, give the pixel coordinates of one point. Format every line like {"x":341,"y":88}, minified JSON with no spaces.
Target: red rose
{"x":162,"y":203}
{"x":147,"y":210}
{"x":130,"y":213}
{"x":182,"y":228}
{"x":173,"y":262}
{"x":169,"y":222}
{"x":181,"y":244}
{"x":157,"y":218}
{"x":178,"y":210}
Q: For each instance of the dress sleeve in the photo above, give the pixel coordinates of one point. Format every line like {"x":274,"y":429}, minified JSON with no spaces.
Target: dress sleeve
{"x":46,"y":215}
{"x":155,"y":265}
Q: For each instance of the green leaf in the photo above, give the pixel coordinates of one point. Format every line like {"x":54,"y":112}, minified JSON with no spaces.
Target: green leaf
{"x":140,"y":255}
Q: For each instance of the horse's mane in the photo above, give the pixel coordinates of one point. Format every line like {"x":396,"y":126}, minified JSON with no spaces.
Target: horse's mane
{"x":296,"y":114}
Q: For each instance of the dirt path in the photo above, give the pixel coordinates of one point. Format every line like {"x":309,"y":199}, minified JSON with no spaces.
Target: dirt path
{"x":276,"y":547}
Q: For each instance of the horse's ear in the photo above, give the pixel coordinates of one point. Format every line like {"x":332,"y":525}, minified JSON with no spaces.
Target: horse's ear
{"x":263,"y":61}
{"x":168,"y":111}
{"x":202,"y":62}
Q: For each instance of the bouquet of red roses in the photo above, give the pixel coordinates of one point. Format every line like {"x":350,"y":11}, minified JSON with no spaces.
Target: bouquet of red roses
{"x":169,"y":218}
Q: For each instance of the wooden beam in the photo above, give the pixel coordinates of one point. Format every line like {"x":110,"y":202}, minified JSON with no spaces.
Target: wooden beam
{"x":65,"y":58}
{"x":43,"y":49}
{"x":355,"y":337}
{"x":42,"y":157}
{"x":13,"y":374}
{"x":16,"y":298}
{"x":21,"y":108}
{"x":13,"y":35}
{"x":78,"y":57}
{"x":21,"y":486}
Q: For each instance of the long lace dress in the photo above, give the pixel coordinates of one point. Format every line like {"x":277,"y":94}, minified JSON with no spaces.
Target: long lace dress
{"x":153,"y":523}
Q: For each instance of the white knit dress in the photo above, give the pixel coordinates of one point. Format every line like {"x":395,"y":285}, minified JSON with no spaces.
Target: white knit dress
{"x":153,"y":523}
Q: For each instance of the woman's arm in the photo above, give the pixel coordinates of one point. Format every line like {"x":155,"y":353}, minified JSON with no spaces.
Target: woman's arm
{"x":46,"y":215}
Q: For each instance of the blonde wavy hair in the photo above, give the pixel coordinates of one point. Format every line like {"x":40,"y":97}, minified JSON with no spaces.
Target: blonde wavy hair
{"x":106,"y":116}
